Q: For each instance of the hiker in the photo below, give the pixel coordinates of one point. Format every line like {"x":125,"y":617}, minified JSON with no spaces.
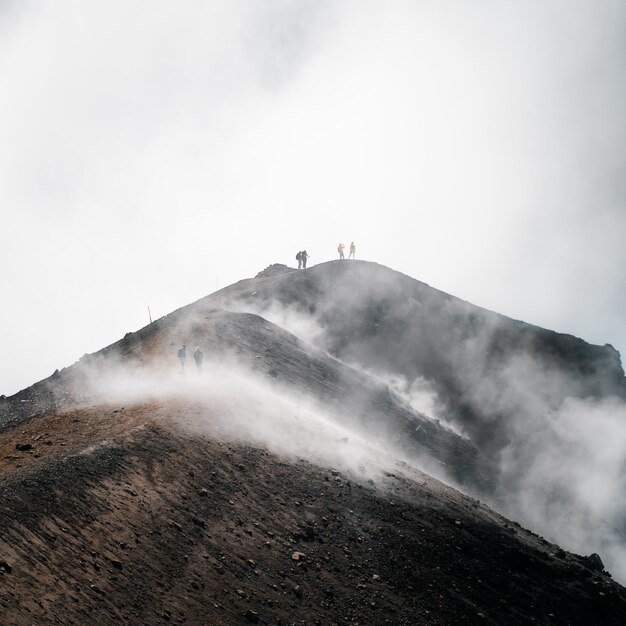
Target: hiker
{"x":299,"y":259}
{"x":352,"y":251}
{"x":304,"y":257}
{"x":182,"y":355}
{"x":198,"y":357}
{"x":340,"y":249}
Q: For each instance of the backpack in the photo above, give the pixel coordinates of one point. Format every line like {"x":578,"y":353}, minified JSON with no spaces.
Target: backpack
{"x":181,"y":353}
{"x":299,"y":256}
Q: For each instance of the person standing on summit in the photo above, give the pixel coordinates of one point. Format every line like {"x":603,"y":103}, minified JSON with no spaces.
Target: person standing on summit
{"x":304,"y":256}
{"x":352,"y":251}
{"x":299,"y":259}
{"x":340,"y":249}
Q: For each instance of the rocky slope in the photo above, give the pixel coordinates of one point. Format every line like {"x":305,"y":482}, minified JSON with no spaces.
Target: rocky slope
{"x":120,"y":516}
{"x":242,"y":340}
{"x":482,"y":364}
{"x":280,"y":484}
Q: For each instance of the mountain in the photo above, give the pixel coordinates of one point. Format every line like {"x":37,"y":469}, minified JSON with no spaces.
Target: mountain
{"x":290,"y":479}
{"x":388,"y":322}
{"x":356,"y":400}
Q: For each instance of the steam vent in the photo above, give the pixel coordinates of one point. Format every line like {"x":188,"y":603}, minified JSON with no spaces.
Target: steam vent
{"x":356,"y":447}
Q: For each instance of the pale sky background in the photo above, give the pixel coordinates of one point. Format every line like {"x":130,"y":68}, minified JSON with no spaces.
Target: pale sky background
{"x":149,"y":147}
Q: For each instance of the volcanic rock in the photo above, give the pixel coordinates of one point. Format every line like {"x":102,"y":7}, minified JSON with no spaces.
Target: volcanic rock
{"x":398,"y":546}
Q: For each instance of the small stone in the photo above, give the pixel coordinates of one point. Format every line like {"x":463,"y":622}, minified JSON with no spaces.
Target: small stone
{"x":252,"y":616}
{"x":297,"y":590}
{"x":593,"y":562}
{"x":298,"y":556}
{"x":23,"y":447}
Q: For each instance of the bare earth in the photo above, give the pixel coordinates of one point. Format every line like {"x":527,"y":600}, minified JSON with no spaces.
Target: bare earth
{"x":121,"y":512}
{"x":117,"y":516}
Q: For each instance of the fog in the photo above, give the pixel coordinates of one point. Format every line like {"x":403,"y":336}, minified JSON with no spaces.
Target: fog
{"x":151,"y":151}
{"x":228,"y":401}
{"x":564,"y":475}
{"x":561,"y":466}
{"x":548,"y":410}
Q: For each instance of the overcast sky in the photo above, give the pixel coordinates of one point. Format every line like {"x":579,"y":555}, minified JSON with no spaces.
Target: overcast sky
{"x":148,"y":148}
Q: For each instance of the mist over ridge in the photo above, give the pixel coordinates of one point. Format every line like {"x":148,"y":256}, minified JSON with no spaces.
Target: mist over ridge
{"x":376,"y":389}
{"x":532,"y":419}
{"x":346,"y":444}
{"x":480,"y":148}
{"x":547,"y":408}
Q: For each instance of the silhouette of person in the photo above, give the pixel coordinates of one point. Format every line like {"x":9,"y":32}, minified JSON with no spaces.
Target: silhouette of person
{"x":352,"y":251}
{"x":299,"y":259}
{"x":182,"y":355}
{"x":340,"y":249}
{"x":305,"y":256}
{"x":198,"y":357}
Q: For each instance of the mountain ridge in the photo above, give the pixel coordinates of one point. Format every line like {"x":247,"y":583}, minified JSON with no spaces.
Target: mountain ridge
{"x":284,"y":483}
{"x":459,"y":345}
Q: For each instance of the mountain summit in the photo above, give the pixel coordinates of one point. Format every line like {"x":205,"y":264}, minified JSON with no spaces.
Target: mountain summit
{"x":327,"y":463}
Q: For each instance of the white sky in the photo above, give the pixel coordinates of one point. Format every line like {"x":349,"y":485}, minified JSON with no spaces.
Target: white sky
{"x":149,"y":147}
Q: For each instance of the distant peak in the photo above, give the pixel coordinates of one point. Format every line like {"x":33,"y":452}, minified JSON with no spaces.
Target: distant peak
{"x":274,"y":269}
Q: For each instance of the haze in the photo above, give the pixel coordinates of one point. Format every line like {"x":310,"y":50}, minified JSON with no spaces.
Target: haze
{"x":151,"y":151}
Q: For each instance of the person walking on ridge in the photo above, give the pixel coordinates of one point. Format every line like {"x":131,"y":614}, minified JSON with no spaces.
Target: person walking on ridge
{"x":340,"y":249}
{"x":304,"y":256}
{"x":198,"y":357}
{"x":299,"y":259}
{"x":182,"y":355}
{"x":352,"y":251}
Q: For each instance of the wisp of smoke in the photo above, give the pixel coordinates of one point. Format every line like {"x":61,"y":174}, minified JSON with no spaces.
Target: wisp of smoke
{"x":229,"y":402}
{"x":565,"y":473}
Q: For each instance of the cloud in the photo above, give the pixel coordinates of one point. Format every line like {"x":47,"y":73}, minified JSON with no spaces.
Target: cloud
{"x":543,"y":406}
{"x":228,"y":400}
{"x":563,"y":475}
{"x":150,"y":149}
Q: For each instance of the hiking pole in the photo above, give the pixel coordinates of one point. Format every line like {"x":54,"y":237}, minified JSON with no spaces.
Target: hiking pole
{"x":149,"y":314}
